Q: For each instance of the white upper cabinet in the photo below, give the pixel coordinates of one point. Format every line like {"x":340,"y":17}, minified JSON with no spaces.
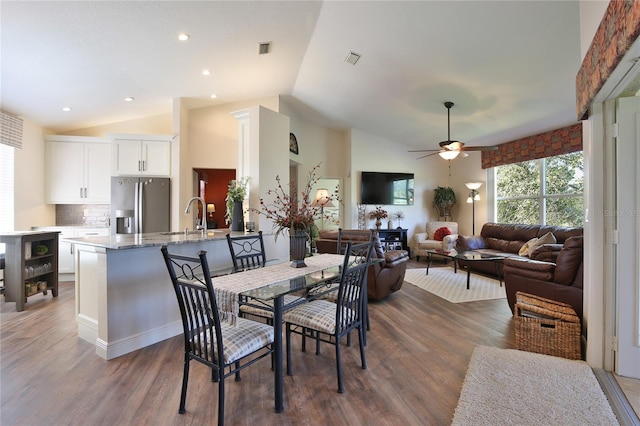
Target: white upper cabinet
{"x":141,"y":155}
{"x":78,"y":170}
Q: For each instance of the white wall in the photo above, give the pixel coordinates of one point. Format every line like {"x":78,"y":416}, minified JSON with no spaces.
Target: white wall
{"x":213,"y":133}
{"x":591,"y":13}
{"x":208,"y":138}
{"x":372,"y":153}
{"x":29,"y":174}
{"x":153,"y":125}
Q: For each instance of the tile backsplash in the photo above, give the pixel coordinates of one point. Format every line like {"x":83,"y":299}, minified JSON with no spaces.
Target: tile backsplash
{"x":96,"y":215}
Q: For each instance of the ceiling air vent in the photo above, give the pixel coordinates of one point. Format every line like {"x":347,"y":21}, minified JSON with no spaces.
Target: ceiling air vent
{"x":264,"y":48}
{"x":352,"y":58}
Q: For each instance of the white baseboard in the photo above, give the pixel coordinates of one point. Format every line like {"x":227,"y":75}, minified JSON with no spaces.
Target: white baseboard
{"x":114,"y":349}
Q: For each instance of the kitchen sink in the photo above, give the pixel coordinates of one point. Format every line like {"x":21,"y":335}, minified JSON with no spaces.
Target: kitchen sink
{"x":181,"y":233}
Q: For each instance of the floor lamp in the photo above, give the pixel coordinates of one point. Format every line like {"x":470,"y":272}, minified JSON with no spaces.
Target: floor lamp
{"x":322,"y":200}
{"x":474,"y":196}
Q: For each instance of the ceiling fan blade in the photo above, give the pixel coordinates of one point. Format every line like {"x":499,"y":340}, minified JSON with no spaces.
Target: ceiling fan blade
{"x":424,"y":150}
{"x":429,"y":155}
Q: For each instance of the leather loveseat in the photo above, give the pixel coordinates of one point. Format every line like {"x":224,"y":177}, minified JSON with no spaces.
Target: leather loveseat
{"x":506,"y":239}
{"x":561,"y":280}
{"x":384,"y":277}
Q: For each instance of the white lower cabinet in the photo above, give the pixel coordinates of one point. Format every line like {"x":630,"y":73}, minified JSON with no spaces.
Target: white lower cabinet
{"x":66,"y":262}
{"x":66,"y":256}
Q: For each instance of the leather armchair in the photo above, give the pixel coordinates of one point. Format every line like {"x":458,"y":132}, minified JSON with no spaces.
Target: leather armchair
{"x":561,"y":280}
{"x":384,"y":277}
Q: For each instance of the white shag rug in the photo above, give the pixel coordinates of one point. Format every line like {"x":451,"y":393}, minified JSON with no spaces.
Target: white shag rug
{"x":512,"y":387}
{"x":444,"y":283}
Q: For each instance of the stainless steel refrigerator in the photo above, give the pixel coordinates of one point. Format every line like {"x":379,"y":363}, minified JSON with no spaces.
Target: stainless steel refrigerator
{"x":140,"y":205}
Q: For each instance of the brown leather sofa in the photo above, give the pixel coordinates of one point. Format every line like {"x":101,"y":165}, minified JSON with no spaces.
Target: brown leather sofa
{"x":561,"y":280}
{"x":506,"y":239}
{"x":384,"y":277}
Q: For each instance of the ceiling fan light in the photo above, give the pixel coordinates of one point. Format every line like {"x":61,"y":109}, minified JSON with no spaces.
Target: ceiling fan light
{"x":449,"y":155}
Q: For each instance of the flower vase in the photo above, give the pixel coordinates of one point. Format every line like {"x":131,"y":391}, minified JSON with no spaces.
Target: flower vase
{"x":298,"y":248}
{"x":378,"y":224}
{"x":237,"y":218}
{"x":390,"y":224}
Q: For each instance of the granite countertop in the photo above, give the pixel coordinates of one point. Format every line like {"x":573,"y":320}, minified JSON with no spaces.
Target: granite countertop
{"x":24,"y":233}
{"x":131,"y":241}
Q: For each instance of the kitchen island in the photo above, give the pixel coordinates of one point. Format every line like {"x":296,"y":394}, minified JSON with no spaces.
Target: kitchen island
{"x":124,"y":297}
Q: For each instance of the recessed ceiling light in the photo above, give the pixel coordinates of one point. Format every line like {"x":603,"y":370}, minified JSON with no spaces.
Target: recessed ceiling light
{"x":206,"y":72}
{"x":66,"y":109}
{"x":129,"y":99}
{"x":213,"y":96}
{"x":183,"y":37}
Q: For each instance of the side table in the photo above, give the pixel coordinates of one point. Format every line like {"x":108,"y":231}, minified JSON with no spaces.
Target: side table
{"x":394,"y":238}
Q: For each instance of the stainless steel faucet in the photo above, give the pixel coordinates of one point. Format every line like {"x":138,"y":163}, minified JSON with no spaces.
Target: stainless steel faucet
{"x":203,"y":226}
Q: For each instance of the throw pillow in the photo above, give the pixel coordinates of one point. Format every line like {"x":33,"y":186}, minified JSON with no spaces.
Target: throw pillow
{"x":547,"y":238}
{"x":524,"y":250}
{"x":441,"y":233}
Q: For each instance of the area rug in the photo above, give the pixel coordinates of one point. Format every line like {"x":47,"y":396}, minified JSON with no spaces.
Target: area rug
{"x":444,"y":283}
{"x":512,"y":387}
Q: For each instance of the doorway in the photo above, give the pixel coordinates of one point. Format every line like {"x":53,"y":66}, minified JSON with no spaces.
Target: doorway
{"x":212,"y":185}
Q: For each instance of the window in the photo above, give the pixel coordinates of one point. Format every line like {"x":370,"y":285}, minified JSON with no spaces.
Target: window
{"x":545,"y":191}
{"x":6,"y":187}
{"x":403,"y":192}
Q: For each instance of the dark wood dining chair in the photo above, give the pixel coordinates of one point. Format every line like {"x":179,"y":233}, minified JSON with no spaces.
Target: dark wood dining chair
{"x":328,"y":321}
{"x":220,"y":340}
{"x":247,"y":252}
{"x":353,"y":236}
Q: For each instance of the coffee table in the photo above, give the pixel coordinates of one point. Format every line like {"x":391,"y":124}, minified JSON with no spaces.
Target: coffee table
{"x":446,"y":254}
{"x":468,"y":256}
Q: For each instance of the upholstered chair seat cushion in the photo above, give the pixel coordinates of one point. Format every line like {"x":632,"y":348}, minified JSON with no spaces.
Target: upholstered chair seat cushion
{"x":241,"y":337}
{"x":266,"y":313}
{"x":318,"y":314}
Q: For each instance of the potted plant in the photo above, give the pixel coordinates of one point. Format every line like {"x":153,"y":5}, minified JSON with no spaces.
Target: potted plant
{"x":444,"y":199}
{"x":378,"y":214}
{"x":295,"y":214}
{"x":236,"y":194}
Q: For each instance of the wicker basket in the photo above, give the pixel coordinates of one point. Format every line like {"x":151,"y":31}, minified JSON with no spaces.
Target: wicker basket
{"x":547,"y":327}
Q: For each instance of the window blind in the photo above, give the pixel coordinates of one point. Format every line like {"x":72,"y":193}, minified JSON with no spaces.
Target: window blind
{"x":10,"y":130}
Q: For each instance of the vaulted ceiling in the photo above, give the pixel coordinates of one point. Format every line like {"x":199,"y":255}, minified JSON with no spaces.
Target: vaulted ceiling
{"x":509,"y":66}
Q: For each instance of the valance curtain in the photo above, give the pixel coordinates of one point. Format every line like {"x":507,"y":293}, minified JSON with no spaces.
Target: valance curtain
{"x":548,"y":144}
{"x":10,"y":130}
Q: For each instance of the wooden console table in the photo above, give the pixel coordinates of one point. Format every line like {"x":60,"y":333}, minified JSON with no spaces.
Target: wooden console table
{"x":31,"y":265}
{"x":393,"y":239}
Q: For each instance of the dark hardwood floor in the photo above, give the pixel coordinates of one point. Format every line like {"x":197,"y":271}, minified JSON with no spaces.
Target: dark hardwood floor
{"x":418,"y":350}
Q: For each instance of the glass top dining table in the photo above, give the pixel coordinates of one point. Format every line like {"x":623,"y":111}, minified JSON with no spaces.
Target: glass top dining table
{"x":269,"y":284}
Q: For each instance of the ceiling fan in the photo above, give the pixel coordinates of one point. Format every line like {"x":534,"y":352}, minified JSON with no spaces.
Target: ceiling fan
{"x":451,"y":149}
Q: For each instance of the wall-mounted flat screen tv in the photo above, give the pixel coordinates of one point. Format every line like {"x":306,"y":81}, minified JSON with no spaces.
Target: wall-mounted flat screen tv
{"x":383,"y":188}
